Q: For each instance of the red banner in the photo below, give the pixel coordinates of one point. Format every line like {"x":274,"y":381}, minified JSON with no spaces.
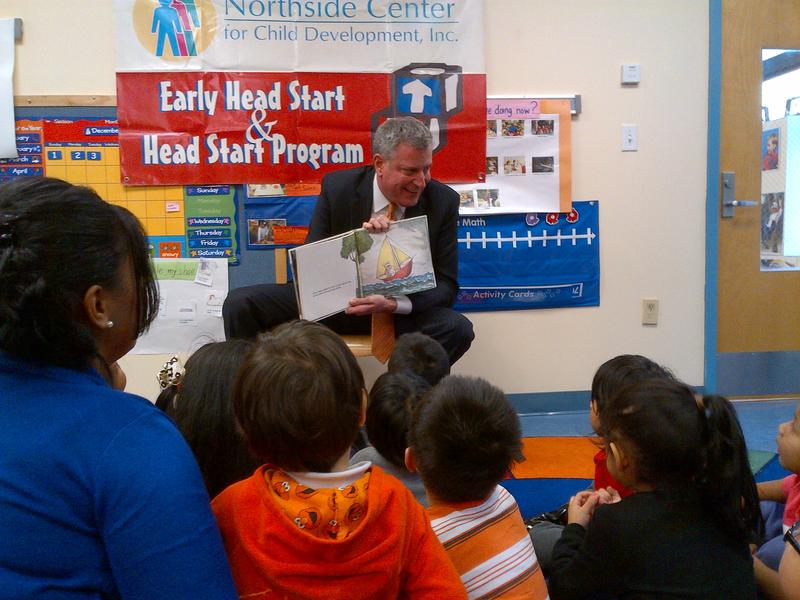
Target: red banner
{"x":222,"y":128}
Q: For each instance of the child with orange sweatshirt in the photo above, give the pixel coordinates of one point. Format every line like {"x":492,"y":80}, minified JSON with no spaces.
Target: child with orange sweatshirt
{"x":307,"y":524}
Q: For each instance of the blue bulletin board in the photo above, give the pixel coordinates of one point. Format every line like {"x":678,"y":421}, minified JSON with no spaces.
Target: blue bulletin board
{"x":506,"y":262}
{"x":534,"y":260}
{"x":275,"y":212}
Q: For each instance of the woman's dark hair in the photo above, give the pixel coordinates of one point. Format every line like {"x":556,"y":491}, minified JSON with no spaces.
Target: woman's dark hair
{"x":392,"y":400}
{"x":203,"y":411}
{"x":56,"y":241}
{"x":679,"y":439}
{"x":298,"y":397}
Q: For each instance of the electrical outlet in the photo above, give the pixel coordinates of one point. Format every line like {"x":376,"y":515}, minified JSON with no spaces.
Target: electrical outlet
{"x":649,"y":311}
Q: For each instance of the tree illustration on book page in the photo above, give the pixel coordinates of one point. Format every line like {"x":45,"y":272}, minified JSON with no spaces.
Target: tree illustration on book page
{"x":355,"y":246}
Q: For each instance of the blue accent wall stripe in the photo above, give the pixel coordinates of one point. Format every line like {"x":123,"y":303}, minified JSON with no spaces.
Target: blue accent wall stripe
{"x":550,"y":402}
{"x":537,"y":403}
{"x":712,"y":192}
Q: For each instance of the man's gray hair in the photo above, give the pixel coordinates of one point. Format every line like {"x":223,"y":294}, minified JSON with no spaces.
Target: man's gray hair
{"x":400,"y":130}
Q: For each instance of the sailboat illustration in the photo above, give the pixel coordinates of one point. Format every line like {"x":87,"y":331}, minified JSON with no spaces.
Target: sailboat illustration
{"x":393,"y":263}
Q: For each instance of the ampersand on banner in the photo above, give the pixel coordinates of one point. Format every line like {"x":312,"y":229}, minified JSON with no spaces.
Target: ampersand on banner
{"x":257,"y":124}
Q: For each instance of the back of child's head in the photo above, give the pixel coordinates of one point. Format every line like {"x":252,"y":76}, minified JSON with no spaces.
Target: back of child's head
{"x":620,"y":371}
{"x":392,"y":400}
{"x":203,"y":411}
{"x":298,"y":397}
{"x":464,"y":437}
{"x":420,"y":354}
{"x":680,"y":439}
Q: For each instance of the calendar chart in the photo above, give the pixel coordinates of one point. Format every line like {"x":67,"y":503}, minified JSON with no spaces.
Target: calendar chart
{"x":86,"y":152}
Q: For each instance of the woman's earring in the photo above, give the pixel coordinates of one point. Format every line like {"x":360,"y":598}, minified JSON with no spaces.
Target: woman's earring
{"x":109,"y":324}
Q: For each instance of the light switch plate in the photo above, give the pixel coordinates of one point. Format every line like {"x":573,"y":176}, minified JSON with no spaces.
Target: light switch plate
{"x":630,"y":137}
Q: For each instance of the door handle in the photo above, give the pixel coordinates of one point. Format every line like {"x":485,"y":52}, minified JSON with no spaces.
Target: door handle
{"x":729,"y":204}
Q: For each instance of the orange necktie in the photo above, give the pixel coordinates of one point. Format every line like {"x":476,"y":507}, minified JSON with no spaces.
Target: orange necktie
{"x":383,"y":323}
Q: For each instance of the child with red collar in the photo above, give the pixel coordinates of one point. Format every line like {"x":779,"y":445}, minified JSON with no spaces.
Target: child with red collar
{"x":610,"y":377}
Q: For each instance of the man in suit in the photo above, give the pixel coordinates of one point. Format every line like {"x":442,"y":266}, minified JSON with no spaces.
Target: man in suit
{"x":397,"y":185}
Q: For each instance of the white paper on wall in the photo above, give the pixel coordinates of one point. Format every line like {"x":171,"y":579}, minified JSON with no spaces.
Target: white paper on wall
{"x":192,"y":291}
{"x":8,"y":145}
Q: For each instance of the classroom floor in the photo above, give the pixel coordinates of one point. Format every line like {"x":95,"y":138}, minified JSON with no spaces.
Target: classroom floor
{"x":559,"y":452}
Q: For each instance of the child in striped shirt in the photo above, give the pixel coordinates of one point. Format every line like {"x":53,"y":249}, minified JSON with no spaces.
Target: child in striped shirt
{"x":464,"y":437}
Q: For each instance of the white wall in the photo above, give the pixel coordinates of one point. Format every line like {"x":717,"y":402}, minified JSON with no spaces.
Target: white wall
{"x":652,"y":202}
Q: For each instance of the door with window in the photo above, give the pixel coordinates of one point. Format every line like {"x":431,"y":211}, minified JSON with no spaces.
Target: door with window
{"x":757,"y":274}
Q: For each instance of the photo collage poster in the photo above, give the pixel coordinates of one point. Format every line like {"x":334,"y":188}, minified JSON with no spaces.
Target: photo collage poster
{"x":528,"y":166}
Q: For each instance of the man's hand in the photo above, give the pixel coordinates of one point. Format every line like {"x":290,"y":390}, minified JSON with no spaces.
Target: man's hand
{"x":378,"y":224}
{"x":371,"y":304}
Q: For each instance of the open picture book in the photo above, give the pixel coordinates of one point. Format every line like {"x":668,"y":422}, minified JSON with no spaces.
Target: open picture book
{"x":329,"y":272}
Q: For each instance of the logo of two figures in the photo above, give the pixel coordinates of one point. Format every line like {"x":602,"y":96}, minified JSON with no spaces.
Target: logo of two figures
{"x":175,"y":22}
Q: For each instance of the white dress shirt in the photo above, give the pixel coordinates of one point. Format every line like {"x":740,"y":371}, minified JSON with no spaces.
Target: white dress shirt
{"x":380,"y":206}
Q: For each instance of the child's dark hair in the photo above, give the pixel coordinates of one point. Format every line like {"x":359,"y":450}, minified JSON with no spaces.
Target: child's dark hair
{"x":464,"y":436}
{"x":203,"y":411}
{"x":391,"y":403}
{"x":298,"y":397}
{"x":623,"y":370}
{"x":166,"y":399}
{"x":56,"y":241}
{"x":679,"y":439}
{"x":420,"y":354}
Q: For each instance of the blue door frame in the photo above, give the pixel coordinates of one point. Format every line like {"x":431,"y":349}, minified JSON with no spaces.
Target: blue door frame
{"x":712,"y":192}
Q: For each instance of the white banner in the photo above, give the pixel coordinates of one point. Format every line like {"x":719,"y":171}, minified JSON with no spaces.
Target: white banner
{"x":337,"y":36}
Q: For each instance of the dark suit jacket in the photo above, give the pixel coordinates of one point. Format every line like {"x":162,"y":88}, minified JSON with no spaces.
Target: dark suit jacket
{"x":345,"y":203}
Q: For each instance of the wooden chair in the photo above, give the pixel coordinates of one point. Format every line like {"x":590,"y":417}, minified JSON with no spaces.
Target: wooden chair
{"x":379,"y":343}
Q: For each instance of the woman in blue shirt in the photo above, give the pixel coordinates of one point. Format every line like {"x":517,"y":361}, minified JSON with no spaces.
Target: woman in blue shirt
{"x":99,"y":495}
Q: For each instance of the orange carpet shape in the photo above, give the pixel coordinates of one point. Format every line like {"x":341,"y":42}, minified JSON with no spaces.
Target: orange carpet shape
{"x":557,"y":457}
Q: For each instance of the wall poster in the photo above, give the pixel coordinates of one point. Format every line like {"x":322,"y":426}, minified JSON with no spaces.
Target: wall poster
{"x":191,"y":293}
{"x":528,"y":159}
{"x":533,"y":260}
